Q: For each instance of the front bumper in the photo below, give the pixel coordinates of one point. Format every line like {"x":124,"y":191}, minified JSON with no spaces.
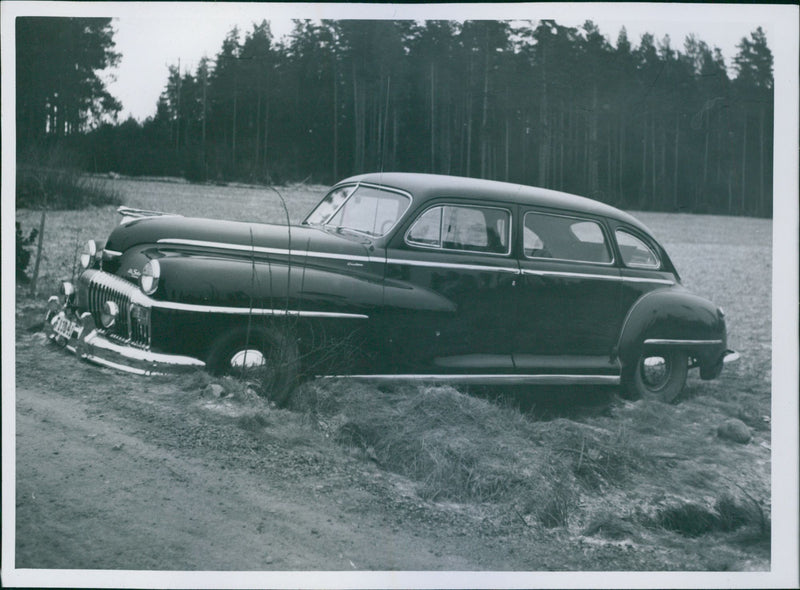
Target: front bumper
{"x":89,"y":343}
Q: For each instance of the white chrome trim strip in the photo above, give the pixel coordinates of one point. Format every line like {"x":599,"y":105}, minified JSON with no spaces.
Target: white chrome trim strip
{"x":646,"y":280}
{"x":581,"y":275}
{"x":675,"y":341}
{"x":254,"y":311}
{"x":262,"y":250}
{"x":577,"y":275}
{"x":452,"y":265}
{"x":498,"y":379}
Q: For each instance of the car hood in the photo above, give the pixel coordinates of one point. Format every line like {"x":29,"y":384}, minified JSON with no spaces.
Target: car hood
{"x":216,"y":233}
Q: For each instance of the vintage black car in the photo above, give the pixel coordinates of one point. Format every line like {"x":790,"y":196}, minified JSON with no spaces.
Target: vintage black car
{"x":398,"y":276}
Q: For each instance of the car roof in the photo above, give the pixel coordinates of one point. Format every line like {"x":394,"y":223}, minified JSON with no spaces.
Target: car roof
{"x":427,"y":186}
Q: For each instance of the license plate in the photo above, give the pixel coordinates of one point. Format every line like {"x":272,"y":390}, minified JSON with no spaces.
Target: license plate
{"x":64,"y":327}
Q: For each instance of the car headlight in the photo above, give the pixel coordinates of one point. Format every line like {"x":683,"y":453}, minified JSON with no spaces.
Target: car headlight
{"x":148,"y":281}
{"x":88,"y":254}
{"x":109,"y":314}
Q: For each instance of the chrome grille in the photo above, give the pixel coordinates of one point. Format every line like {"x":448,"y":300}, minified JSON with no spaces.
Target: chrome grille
{"x":132,"y":326}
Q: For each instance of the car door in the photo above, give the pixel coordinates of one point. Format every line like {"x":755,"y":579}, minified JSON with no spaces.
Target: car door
{"x":568,"y":309}
{"x":449,"y":289}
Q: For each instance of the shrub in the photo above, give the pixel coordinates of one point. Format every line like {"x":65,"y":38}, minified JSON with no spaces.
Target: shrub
{"x":53,"y":179}
{"x":23,"y":254}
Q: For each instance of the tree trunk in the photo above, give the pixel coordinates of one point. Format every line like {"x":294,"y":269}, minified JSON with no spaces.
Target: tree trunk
{"x":675,"y":170}
{"x":385,"y":123}
{"x":335,"y":126}
{"x":744,"y":165}
{"x":506,"y":149}
{"x":433,"y":121}
{"x":469,"y":134}
{"x":644,"y":158}
{"x":233,"y":127}
{"x":653,"y":161}
{"x":761,"y":196}
{"x":485,"y":113}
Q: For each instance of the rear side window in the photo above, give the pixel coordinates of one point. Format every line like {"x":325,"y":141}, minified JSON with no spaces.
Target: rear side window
{"x":462,"y":228}
{"x":564,"y":238}
{"x":635,"y":253}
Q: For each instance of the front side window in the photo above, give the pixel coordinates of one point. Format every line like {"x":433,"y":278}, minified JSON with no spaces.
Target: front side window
{"x":463,"y":228}
{"x":361,"y":209}
{"x":564,"y":238}
{"x":635,"y":253}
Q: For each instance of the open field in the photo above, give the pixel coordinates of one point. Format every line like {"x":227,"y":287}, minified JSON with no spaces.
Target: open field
{"x":438,"y":479}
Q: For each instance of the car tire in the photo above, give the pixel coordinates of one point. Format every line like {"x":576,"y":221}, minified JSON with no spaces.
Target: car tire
{"x":265,"y":354}
{"x":657,"y":375}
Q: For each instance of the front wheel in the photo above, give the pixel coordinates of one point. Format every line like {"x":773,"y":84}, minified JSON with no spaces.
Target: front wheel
{"x":267,"y":355}
{"x":658,"y":375}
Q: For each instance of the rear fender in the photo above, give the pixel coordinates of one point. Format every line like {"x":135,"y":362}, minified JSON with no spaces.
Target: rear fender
{"x":673,"y":318}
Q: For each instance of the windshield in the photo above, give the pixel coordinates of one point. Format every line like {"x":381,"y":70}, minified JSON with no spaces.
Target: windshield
{"x":362,"y":209}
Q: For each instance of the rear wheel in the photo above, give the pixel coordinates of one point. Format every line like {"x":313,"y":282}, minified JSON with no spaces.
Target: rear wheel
{"x":658,"y":375}
{"x":266,"y":355}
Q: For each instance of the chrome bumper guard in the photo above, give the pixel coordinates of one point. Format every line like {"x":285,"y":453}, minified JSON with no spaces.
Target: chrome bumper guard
{"x":730,"y":357}
{"x":88,"y":343}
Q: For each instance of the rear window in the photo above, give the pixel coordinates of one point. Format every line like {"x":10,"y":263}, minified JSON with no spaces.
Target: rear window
{"x":564,"y":238}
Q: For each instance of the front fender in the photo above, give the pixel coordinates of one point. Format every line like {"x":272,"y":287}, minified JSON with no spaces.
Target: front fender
{"x":239,"y":282}
{"x":673,"y":318}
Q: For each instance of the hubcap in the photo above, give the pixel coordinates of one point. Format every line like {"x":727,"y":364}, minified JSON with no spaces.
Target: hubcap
{"x":655,"y":371}
{"x":245,"y":359}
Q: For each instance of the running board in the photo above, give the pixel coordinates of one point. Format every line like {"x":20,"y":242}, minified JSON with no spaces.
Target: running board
{"x":489,"y":379}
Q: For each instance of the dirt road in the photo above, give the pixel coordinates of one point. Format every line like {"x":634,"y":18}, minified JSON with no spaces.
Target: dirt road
{"x":177,"y":489}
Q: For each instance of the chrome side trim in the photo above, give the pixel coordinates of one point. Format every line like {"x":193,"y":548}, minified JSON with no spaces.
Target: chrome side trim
{"x":263,"y":250}
{"x":647,"y":280}
{"x":252,"y":311}
{"x":139,"y":298}
{"x":425,"y":263}
{"x":577,"y":275}
{"x":559,"y":273}
{"x":675,"y":341}
{"x":492,"y":379}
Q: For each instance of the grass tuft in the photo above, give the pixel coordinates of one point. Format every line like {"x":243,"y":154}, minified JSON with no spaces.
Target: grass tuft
{"x":609,"y":526}
{"x":598,"y":458}
{"x":688,"y":519}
